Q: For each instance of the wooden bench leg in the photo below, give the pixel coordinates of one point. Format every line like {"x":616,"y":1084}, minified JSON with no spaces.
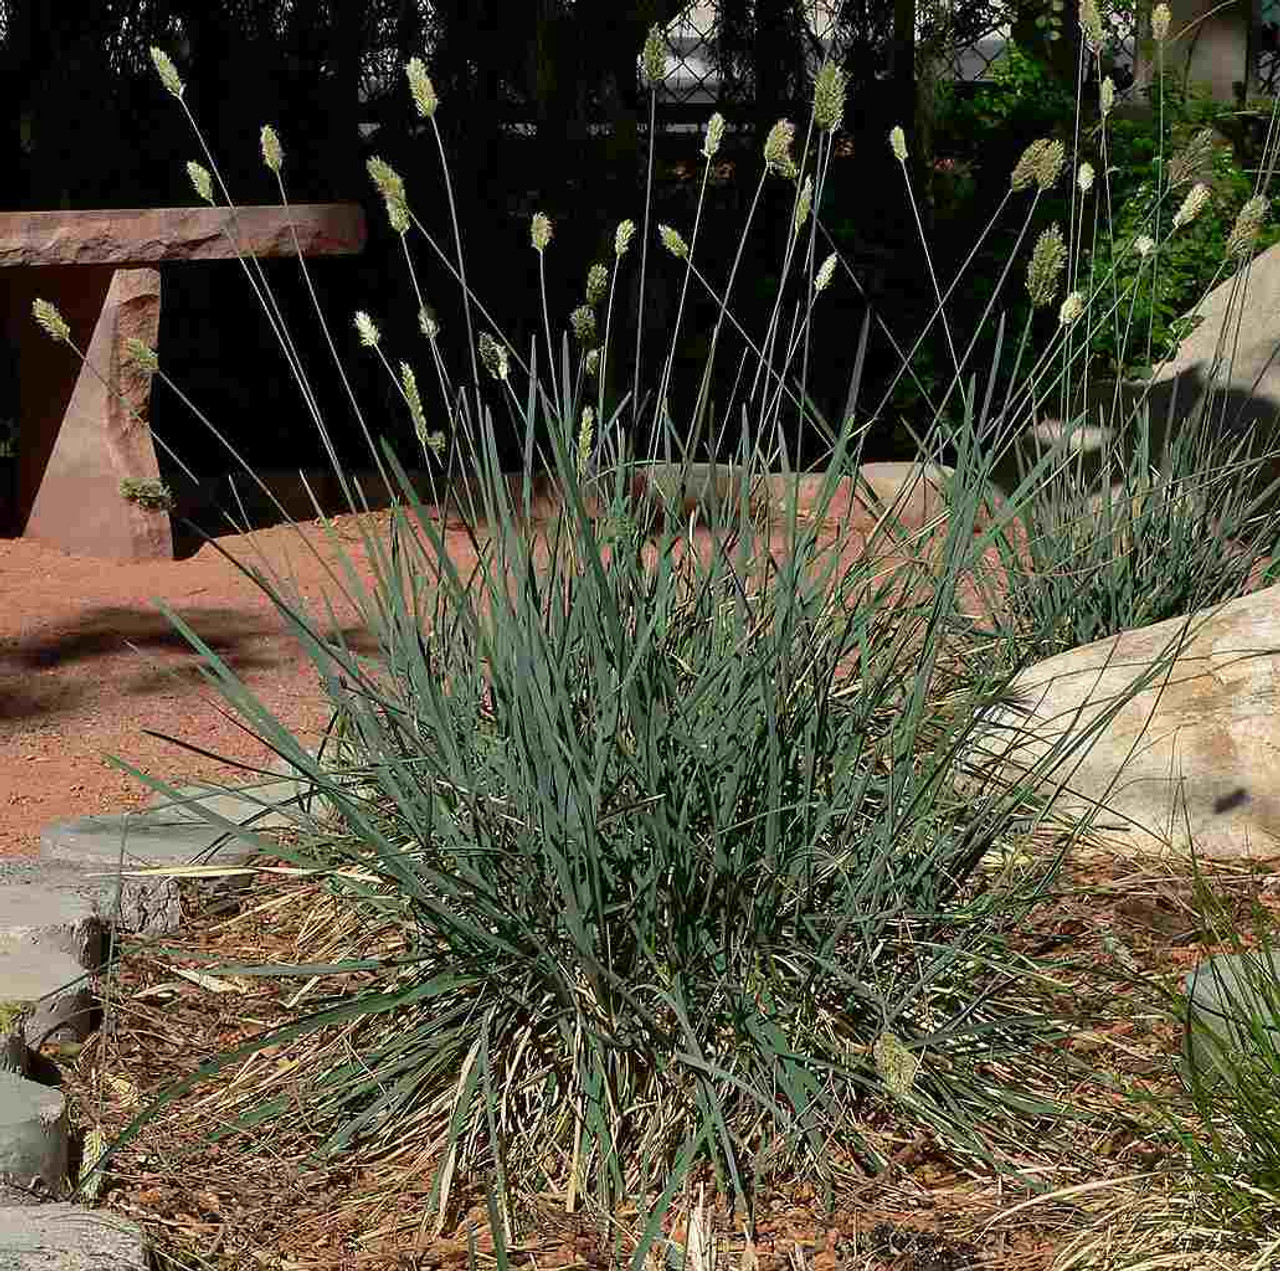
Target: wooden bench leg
{"x":74,"y":497}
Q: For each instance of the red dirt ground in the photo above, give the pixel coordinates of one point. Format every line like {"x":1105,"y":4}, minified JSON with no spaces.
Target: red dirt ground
{"x":88,"y":662}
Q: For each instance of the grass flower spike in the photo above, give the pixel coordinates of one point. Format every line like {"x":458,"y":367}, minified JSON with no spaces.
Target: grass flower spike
{"x":201,"y":181}
{"x":409,"y":383}
{"x":168,"y":73}
{"x":822,"y":280}
{"x":777,"y":149}
{"x":427,"y":324}
{"x":1144,"y":244}
{"x":583,"y":322}
{"x":1084,"y":178}
{"x":391,"y":187}
{"x":1192,"y":158}
{"x":896,"y":1066}
{"x":51,"y":321}
{"x":386,"y":179}
{"x":597,"y":283}
{"x":828,"y":97}
{"x":1160,"y":19}
{"x":1049,"y":164}
{"x":421,"y":87}
{"x":593,"y":363}
{"x":272,"y":150}
{"x":1072,"y":308}
{"x":672,"y":241}
{"x":494,"y":357}
{"x":715,"y":134}
{"x":1192,"y":205}
{"x":622,"y":238}
{"x":1091,"y":26}
{"x":540,"y":231}
{"x":804,"y":204}
{"x":898,"y":144}
{"x":1028,"y":166}
{"x":368,"y":331}
{"x":1248,"y":224}
{"x":1048,"y":260}
{"x":1107,"y":96}
{"x":653,"y":60}
{"x":586,"y":439}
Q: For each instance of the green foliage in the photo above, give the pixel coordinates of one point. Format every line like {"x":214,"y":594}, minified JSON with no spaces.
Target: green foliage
{"x":148,"y":493}
{"x":1159,"y":298}
{"x":1020,"y":93}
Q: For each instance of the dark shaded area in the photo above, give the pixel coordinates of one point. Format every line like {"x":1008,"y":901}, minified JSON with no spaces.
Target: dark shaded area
{"x":244,"y":641}
{"x":89,"y":125}
{"x":1230,"y":802}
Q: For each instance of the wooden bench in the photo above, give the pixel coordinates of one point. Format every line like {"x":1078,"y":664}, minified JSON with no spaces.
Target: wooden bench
{"x":76,"y":439}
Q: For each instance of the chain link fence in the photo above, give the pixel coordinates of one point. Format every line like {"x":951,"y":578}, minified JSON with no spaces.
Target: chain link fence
{"x":966,"y":37}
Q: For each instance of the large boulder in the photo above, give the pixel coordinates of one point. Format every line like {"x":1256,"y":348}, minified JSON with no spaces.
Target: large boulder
{"x":1189,"y":760}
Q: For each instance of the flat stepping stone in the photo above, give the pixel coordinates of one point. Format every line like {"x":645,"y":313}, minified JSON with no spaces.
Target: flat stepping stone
{"x":151,"y":837}
{"x":253,"y":806}
{"x":33,"y":1139}
{"x":64,"y":1237}
{"x":150,"y":906}
{"x":52,"y":917}
{"x":50,"y":986}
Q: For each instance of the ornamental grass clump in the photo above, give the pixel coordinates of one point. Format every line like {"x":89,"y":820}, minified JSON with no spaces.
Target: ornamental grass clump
{"x":657,"y":830}
{"x":1139,"y":501}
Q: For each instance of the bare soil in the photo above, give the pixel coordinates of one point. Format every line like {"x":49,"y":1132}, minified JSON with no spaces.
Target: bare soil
{"x":91,"y":666}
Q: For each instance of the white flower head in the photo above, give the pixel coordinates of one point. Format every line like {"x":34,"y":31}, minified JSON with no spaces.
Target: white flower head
{"x":201,"y":180}
{"x":715,"y":134}
{"x":1084,"y":178}
{"x":168,"y":73}
{"x":272,"y":150}
{"x":367,"y":329}
{"x":622,"y":237}
{"x":1192,"y":205}
{"x":1072,"y":308}
{"x":822,"y":279}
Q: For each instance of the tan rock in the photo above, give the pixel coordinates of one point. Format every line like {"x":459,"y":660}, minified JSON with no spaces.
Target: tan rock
{"x":103,"y":438}
{"x":1190,"y":759}
{"x":149,"y":236}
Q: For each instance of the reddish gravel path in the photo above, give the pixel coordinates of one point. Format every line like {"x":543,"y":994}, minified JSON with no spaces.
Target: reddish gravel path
{"x":87,"y":662}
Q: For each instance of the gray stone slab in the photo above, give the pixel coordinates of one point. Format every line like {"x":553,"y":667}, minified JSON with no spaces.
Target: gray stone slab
{"x":64,"y":1237}
{"x":154,"y":837}
{"x":151,"y":906}
{"x":251,"y":806}
{"x":52,"y":985}
{"x":55,"y":917}
{"x":33,"y":1138}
